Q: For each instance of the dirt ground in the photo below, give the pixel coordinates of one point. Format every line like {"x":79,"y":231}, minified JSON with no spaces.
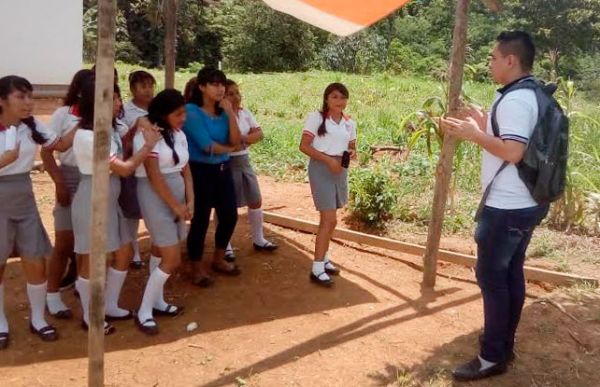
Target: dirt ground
{"x":272,"y":327}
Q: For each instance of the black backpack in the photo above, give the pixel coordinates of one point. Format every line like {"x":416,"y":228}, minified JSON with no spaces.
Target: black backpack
{"x":543,"y":168}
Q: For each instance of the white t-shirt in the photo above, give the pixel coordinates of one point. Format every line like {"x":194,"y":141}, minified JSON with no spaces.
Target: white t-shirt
{"x":131,"y":112}
{"x":337,"y":138}
{"x":246,"y":122}
{"x":517,"y":115}
{"x":83,"y":148}
{"x":163,"y":153}
{"x":22,"y":134}
{"x":62,"y":122}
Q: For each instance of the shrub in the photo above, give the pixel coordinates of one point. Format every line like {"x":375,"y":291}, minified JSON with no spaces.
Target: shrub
{"x":373,"y":195}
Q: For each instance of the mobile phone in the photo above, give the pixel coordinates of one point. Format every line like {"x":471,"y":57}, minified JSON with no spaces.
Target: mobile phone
{"x":346,"y":159}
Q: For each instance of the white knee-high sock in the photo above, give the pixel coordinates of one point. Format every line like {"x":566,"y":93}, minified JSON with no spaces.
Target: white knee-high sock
{"x":3,"y":322}
{"x":154,"y":263}
{"x":160,"y":301}
{"x":154,"y":288}
{"x":255,"y":217}
{"x":114,"y":284}
{"x":55,"y":303}
{"x":83,"y":288}
{"x":37,"y":301}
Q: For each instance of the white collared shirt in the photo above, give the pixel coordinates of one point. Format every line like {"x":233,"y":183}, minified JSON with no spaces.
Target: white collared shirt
{"x":62,"y":122}
{"x":83,"y":148}
{"x":131,"y":112}
{"x":246,"y":122}
{"x":338,"y":136}
{"x":163,"y":153}
{"x":28,"y":148}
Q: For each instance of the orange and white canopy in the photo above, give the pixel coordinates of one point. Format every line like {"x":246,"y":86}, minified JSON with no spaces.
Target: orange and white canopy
{"x":341,"y":17}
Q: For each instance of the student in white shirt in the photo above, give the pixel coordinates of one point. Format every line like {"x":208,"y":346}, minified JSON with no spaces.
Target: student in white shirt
{"x":327,"y":135}
{"x":510,"y":214}
{"x":118,"y":239}
{"x":247,"y":190}
{"x":166,"y":197}
{"x":141,"y":86}
{"x":21,"y":230}
{"x":66,"y":178}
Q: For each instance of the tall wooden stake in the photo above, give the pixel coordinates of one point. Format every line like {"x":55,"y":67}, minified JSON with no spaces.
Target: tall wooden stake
{"x":170,"y":42}
{"x":444,"y":167}
{"x":103,"y":112}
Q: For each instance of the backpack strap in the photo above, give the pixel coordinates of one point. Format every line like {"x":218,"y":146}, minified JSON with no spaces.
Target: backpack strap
{"x":486,"y":193}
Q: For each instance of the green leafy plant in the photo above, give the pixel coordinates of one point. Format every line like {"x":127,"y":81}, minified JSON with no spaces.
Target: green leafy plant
{"x":373,"y":195}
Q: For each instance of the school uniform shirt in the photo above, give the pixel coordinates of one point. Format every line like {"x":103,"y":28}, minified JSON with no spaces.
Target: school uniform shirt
{"x":22,"y":134}
{"x":83,"y":148}
{"x":64,"y":120}
{"x":517,"y":115}
{"x":163,"y":153}
{"x":131,"y":112}
{"x":246,"y":122}
{"x":202,"y":132}
{"x":338,"y":136}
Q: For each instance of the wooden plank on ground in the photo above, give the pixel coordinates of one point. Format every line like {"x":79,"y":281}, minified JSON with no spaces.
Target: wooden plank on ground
{"x":531,"y":273}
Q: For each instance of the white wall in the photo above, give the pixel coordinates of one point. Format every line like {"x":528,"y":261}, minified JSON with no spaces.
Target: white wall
{"x":41,"y":40}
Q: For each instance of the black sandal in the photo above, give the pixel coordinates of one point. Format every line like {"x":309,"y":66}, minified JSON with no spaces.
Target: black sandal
{"x":168,"y":311}
{"x":150,"y":330}
{"x":47,"y":333}
{"x":230,"y":256}
{"x":64,"y":314}
{"x":334,"y":271}
{"x":235,"y":271}
{"x":204,"y":282}
{"x":4,"y":340}
{"x":322,"y":282}
{"x":128,"y":316}
{"x":109,"y":329}
{"x":136,"y":265}
{"x":269,"y":246}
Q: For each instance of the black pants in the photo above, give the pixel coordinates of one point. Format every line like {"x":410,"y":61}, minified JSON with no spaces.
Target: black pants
{"x":213,"y":188}
{"x":502,"y":238}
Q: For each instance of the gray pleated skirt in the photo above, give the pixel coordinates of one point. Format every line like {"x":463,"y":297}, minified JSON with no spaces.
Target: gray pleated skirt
{"x":81,"y":214}
{"x":165,"y":230}
{"x":329,"y":191}
{"x":62,"y":215}
{"x":245,"y":181}
{"x":22,"y":233}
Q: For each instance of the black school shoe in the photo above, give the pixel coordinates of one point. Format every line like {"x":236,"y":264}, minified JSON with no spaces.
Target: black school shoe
{"x":472,"y":371}
{"x":320,"y":280}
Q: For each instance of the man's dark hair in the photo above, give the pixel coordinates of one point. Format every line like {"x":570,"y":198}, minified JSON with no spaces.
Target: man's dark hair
{"x":520,"y":44}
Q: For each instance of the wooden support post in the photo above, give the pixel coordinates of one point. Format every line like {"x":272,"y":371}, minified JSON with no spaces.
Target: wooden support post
{"x":103,"y":113}
{"x":444,"y":167}
{"x":170,"y":42}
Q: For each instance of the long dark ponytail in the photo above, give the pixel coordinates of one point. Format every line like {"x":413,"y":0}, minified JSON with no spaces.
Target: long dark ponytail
{"x":205,"y":76}
{"x":87,"y":100}
{"x":74,"y":93}
{"x":8,"y":85}
{"x":163,"y":104}
{"x":336,"y":86}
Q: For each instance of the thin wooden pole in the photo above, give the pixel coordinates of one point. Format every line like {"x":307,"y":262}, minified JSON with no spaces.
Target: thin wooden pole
{"x":444,"y":167}
{"x":170,"y":42}
{"x":103,"y":112}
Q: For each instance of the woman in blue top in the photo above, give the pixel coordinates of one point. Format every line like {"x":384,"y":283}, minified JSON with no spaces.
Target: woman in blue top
{"x":212,"y":133}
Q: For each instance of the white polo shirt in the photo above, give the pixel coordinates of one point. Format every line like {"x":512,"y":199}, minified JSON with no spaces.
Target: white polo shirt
{"x":246,"y":122}
{"x":131,"y":112}
{"x":83,"y":149}
{"x":164,"y":154}
{"x":517,"y":115}
{"x":63,"y":121}
{"x":338,"y":136}
{"x":22,"y":134}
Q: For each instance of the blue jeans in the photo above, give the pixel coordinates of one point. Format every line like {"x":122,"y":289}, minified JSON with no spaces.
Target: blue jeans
{"x":502,"y":238}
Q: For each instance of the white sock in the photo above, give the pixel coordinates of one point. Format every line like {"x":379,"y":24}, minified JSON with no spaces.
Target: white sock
{"x":154,"y":263}
{"x":255,"y":217}
{"x":485,"y":364}
{"x":3,"y":322}
{"x":318,"y":267}
{"x":229,"y":248}
{"x":37,"y":301}
{"x":133,"y":226}
{"x":55,"y":303}
{"x":328,"y":264}
{"x":83,"y":288}
{"x":114,"y":284}
{"x":154,"y":288}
